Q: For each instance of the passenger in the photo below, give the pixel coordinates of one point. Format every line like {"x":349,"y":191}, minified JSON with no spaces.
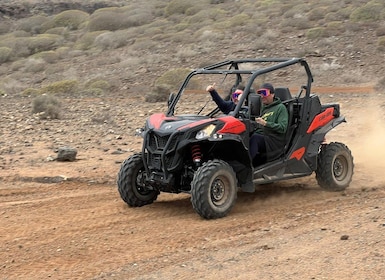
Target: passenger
{"x":268,"y":139}
{"x":226,"y":106}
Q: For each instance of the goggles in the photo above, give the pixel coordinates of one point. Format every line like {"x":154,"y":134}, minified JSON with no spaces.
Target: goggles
{"x":235,"y":95}
{"x":264,"y":92}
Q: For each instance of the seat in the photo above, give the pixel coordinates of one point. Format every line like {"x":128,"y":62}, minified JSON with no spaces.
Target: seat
{"x":284,"y":94}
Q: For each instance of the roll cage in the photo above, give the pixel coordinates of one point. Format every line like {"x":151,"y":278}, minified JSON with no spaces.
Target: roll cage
{"x":233,"y":67}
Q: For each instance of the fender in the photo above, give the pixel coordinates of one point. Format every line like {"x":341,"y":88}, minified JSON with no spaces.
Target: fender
{"x":330,"y":125}
{"x":318,"y":137}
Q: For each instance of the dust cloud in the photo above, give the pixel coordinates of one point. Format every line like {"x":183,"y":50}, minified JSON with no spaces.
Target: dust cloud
{"x":368,"y":141}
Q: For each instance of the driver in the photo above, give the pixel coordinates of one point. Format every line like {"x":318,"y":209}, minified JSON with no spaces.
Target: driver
{"x":226,"y":106}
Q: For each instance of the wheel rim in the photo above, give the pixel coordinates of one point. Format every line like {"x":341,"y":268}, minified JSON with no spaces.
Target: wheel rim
{"x":139,"y":184}
{"x":340,"y":168}
{"x":219,"y":192}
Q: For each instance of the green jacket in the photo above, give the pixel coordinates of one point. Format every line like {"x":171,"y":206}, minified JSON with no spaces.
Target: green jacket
{"x":276,"y":116}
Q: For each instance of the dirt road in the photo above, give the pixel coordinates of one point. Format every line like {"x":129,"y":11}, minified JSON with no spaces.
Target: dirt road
{"x":67,"y":221}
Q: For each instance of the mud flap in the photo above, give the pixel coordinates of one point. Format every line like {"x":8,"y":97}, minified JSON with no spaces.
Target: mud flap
{"x":247,"y":184}
{"x":244,"y":176}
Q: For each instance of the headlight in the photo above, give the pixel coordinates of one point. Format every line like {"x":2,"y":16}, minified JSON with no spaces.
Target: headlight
{"x":205,"y":133}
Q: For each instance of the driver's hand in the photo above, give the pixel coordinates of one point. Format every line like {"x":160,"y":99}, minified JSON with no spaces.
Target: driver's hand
{"x":210,"y":87}
{"x":261,"y":121}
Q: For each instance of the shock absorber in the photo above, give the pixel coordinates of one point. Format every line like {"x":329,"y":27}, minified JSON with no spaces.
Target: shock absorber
{"x":196,"y":154}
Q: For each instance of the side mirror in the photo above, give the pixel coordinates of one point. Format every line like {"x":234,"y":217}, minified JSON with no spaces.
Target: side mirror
{"x":255,"y":104}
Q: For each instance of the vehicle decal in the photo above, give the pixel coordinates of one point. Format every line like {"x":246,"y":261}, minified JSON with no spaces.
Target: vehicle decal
{"x":298,"y":154}
{"x":232,"y":125}
{"x":321,"y":119}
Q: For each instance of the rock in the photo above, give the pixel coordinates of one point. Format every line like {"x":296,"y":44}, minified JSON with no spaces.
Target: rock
{"x":66,"y":154}
{"x":344,"y":237}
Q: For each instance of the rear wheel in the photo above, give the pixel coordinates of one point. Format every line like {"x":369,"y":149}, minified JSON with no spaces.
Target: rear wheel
{"x":214,"y":189}
{"x":131,"y":184}
{"x":335,"y":167}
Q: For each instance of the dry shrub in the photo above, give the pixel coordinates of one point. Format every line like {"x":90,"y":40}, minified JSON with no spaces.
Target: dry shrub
{"x":371,"y":11}
{"x":64,"y":86}
{"x":19,"y":46}
{"x":381,"y":43}
{"x":48,"y":56}
{"x":46,"y":106}
{"x":178,"y":7}
{"x":71,"y":19}
{"x":335,"y":28}
{"x":5,"y":54}
{"x":34,"y":65}
{"x":111,"y":40}
{"x":99,"y":84}
{"x":173,"y":78}
{"x":62,"y":31}
{"x":44,"y":42}
{"x":34,"y":24}
{"x":317,"y":14}
{"x":87,"y":40}
{"x":300,"y":23}
{"x":159,"y":93}
{"x":316,"y":33}
{"x":4,"y":27}
{"x":380,"y":31}
{"x":168,"y":82}
{"x":113,"y":19}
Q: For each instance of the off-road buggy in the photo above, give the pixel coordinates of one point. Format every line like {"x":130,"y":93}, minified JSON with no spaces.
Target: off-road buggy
{"x":206,"y":153}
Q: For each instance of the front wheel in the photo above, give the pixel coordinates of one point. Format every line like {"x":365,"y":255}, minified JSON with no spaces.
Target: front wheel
{"x":214,"y":189}
{"x":335,"y":167}
{"x":131,"y":184}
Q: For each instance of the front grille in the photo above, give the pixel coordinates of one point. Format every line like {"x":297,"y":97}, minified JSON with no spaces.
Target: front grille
{"x":157,"y":142}
{"x":161,"y":150}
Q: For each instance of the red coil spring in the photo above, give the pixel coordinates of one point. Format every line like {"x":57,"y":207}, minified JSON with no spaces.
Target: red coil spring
{"x":196,"y":153}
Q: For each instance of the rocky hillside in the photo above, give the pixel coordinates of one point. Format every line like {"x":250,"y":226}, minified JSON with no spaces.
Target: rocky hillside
{"x":128,"y":47}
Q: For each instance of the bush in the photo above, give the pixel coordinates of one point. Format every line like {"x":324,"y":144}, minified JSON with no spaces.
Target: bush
{"x":316,"y":33}
{"x":160,"y":93}
{"x":71,"y":19}
{"x":4,"y":27}
{"x":65,"y":86}
{"x":113,"y":19}
{"x":48,"y":56}
{"x":172,"y":78}
{"x":62,"y":31}
{"x":317,"y":14}
{"x":32,"y":24}
{"x":33,"y":65}
{"x":98,"y":85}
{"x":87,"y":40}
{"x":44,"y":42}
{"x":5,"y":54}
{"x":380,"y":31}
{"x":47,"y":106}
{"x":335,"y":28}
{"x":178,"y":7}
{"x":300,"y":23}
{"x":369,"y":12}
{"x":111,"y":40}
{"x":381,"y":43}
{"x":19,"y":46}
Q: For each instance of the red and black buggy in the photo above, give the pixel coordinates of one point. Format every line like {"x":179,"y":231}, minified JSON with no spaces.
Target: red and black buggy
{"x":194,"y":148}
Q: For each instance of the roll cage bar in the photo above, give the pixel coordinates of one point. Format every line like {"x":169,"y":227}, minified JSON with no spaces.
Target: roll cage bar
{"x":233,"y":68}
